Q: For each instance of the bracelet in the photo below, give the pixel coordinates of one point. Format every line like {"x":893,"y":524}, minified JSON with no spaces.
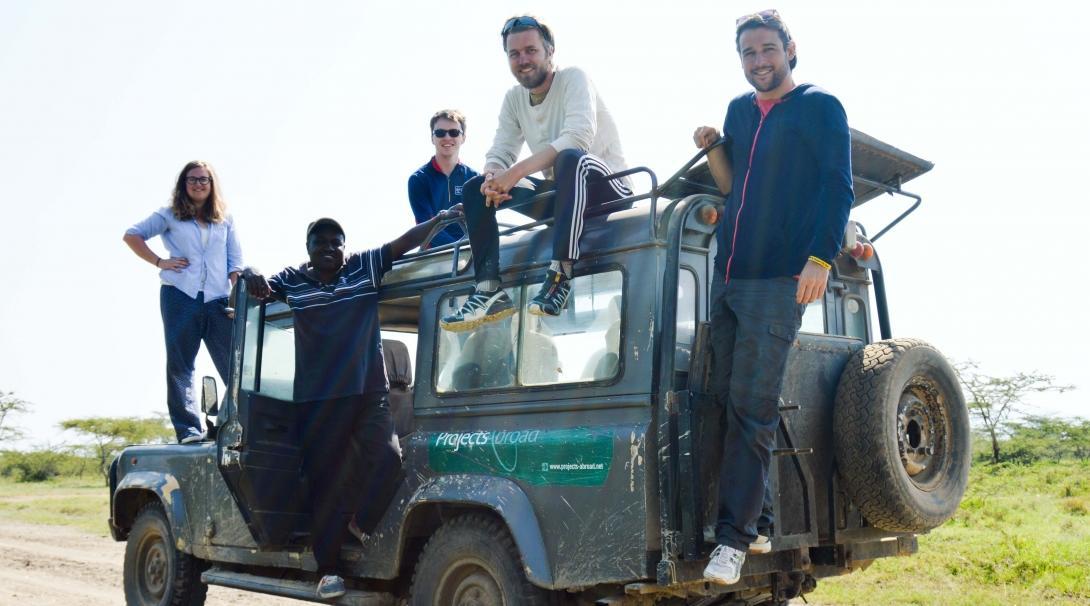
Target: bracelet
{"x":820,"y":262}
{"x":157,"y":260}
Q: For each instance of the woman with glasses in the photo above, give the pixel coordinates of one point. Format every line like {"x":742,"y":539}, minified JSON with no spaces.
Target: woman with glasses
{"x":204,"y":261}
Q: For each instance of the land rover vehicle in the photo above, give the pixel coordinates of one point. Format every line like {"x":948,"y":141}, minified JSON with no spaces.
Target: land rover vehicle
{"x":571,"y":459}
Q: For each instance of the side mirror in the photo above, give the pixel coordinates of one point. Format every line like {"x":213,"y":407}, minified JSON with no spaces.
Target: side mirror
{"x":209,"y":398}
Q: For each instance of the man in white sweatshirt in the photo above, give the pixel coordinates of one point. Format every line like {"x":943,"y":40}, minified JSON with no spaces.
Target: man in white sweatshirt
{"x":572,"y":140}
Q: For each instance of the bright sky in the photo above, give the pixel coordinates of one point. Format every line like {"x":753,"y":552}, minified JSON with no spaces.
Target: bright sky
{"x":321,"y":108}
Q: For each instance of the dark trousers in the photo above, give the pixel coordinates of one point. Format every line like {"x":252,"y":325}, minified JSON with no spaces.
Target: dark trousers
{"x":578,"y":184}
{"x":753,"y":324}
{"x":352,"y":461}
{"x":187,"y":322}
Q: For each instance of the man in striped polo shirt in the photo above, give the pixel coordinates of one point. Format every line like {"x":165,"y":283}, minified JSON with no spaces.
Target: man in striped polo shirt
{"x":346,"y":434}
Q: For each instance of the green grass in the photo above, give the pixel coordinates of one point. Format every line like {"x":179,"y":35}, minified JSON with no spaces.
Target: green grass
{"x":1021,"y":536}
{"x":82,"y":503}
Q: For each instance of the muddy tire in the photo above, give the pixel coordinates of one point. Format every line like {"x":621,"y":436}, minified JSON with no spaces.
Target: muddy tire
{"x":156,"y":573}
{"x":472,"y":559}
{"x":902,"y":435}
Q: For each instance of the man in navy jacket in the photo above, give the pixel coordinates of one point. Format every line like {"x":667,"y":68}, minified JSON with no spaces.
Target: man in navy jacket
{"x":786,"y":163}
{"x":438,"y":184}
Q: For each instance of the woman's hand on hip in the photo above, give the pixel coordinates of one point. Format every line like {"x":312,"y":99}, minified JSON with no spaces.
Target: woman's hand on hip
{"x":174,"y":263}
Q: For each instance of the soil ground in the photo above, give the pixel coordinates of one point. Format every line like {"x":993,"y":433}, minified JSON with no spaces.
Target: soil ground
{"x":64,"y":566}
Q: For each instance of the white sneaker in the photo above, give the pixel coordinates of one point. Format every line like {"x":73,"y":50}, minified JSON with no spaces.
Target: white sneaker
{"x":195,"y":438}
{"x":331,"y":586}
{"x":725,"y":566}
{"x":761,"y":545}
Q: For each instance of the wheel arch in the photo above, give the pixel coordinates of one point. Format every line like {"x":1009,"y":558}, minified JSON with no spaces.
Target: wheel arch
{"x":137,"y":489}
{"x":499,"y":497}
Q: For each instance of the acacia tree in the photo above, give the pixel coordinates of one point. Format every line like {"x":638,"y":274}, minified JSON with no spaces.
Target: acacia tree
{"x":109,"y":435}
{"x":992,"y":400}
{"x":9,"y":406}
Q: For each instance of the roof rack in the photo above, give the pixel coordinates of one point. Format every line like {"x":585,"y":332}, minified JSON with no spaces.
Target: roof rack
{"x":877,"y":168}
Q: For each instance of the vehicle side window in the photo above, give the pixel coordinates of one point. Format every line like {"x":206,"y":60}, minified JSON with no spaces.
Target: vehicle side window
{"x":686,"y":318}
{"x":855,"y":318}
{"x":813,"y":321}
{"x":249,"y":344}
{"x":274,"y":374}
{"x":482,"y":358}
{"x":582,"y":344}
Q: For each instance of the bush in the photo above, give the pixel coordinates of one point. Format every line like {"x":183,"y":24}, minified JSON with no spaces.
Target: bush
{"x":1075,"y":506}
{"x":1032,"y":439}
{"x":34,"y":466}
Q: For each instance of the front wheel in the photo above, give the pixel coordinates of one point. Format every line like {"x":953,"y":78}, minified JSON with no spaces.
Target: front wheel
{"x":156,"y":573}
{"x":472,"y":560}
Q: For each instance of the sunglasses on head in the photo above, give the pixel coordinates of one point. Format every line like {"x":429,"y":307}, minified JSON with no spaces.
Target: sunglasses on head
{"x":764,"y":16}
{"x":514,"y":22}
{"x":446,"y":132}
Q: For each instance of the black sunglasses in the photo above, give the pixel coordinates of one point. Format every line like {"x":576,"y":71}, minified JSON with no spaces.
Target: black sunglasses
{"x":446,"y":132}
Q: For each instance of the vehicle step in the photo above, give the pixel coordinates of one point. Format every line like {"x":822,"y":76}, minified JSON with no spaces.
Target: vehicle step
{"x":288,"y":588}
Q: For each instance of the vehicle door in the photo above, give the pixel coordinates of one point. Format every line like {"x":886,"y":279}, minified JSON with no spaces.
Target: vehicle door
{"x":257,"y":446}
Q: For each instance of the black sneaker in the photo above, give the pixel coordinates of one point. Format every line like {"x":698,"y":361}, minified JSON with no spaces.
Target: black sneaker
{"x":552,"y":297}
{"x":479,"y":308}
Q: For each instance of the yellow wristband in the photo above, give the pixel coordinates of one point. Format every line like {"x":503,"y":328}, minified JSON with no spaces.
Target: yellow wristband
{"x":820,"y":262}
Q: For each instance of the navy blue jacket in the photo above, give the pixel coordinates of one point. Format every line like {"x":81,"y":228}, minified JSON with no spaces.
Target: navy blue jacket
{"x":430,"y":191}
{"x":792,"y":188}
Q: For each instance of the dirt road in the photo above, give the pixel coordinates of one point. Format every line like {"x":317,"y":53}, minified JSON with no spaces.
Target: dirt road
{"x":60,"y":566}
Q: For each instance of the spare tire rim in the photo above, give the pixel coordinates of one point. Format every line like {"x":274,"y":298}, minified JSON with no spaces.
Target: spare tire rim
{"x":922,"y":431}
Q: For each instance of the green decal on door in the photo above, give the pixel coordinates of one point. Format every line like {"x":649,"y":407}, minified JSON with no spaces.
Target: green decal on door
{"x":578,"y":457}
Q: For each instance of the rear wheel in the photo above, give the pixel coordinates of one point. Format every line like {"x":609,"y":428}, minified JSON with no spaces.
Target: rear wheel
{"x":902,"y":435}
{"x":156,"y":573}
{"x":473,"y":561}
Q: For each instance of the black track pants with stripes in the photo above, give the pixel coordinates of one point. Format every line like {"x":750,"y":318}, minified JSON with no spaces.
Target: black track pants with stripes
{"x":578,"y":186}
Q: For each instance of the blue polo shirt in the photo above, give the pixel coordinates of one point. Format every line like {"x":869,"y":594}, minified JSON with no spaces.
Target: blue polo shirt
{"x":430,"y":191}
{"x":338,"y":346}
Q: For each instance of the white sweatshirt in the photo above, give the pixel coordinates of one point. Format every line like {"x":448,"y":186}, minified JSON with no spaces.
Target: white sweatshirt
{"x":572,"y":116}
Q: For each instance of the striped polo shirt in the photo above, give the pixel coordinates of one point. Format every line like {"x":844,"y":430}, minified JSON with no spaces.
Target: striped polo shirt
{"x":338,"y":346}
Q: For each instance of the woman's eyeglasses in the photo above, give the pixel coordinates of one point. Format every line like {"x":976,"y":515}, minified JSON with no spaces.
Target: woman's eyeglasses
{"x":196,"y":180}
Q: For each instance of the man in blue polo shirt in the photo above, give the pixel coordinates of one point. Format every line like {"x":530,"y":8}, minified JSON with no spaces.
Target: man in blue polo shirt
{"x":340,"y":387}
{"x":438,"y":184}
{"x":786,"y":164}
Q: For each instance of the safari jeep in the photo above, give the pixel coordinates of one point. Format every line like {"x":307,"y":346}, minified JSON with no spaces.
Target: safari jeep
{"x":570,"y":460}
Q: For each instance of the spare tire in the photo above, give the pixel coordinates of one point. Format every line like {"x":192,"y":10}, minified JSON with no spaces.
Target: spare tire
{"x":902,"y":435}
